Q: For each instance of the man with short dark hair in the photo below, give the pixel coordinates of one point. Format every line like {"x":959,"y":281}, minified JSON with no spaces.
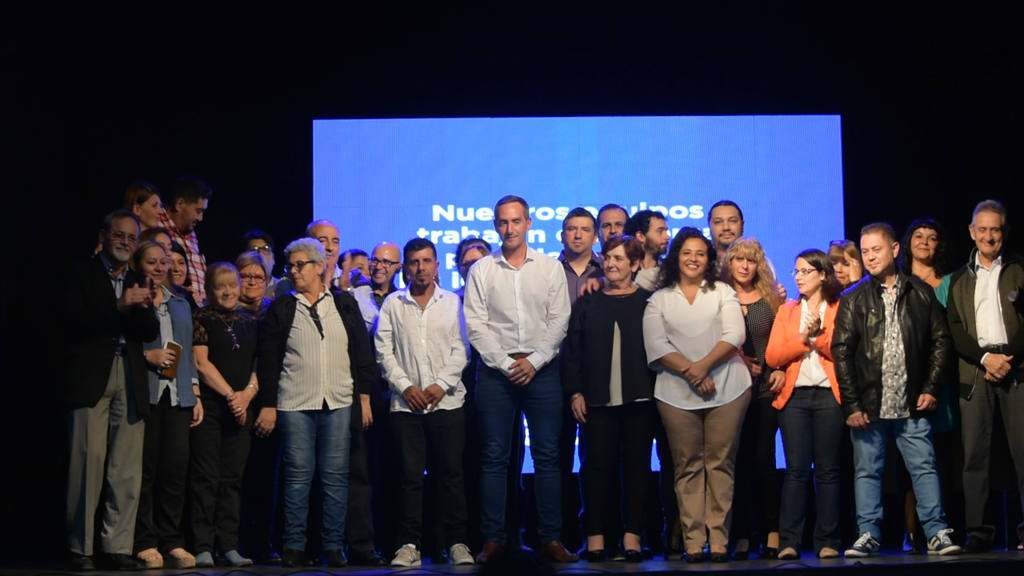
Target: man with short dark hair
{"x":987,"y":323}
{"x":890,"y":346}
{"x":109,"y":316}
{"x":421,"y":352}
{"x":651,"y":229}
{"x":579,"y":234}
{"x":184,"y":209}
{"x":725,"y":219}
{"x":517,"y":313}
{"x":611,"y":220}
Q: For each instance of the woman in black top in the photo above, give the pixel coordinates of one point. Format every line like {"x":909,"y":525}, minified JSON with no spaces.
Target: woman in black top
{"x":611,"y":389}
{"x":224,"y":345}
{"x":756,"y":501}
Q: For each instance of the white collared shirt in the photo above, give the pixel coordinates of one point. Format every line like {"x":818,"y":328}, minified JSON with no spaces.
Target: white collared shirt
{"x":422,"y":346}
{"x":517,"y":310}
{"x":316,"y":369}
{"x":988,"y":310}
{"x":672,"y":324}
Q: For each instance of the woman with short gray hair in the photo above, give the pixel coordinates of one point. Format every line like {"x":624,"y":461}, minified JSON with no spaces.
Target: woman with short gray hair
{"x":310,"y":388}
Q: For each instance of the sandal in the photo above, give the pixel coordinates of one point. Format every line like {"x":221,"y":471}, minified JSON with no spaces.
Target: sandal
{"x":150,"y":559}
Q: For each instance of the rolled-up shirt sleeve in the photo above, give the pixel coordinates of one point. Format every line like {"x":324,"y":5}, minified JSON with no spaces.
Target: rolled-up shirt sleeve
{"x":734,"y":331}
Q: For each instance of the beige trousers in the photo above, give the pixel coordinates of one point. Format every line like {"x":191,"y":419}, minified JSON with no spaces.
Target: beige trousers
{"x":703,"y":445}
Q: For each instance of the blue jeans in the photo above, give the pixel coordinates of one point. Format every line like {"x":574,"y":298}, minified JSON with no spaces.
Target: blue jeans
{"x":812,"y":430}
{"x":315,"y":440}
{"x":497,"y":401}
{"x":914,"y":440}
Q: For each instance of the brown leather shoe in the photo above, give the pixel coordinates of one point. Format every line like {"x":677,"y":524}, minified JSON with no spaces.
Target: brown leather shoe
{"x":554,"y":552}
{"x":489,"y":549}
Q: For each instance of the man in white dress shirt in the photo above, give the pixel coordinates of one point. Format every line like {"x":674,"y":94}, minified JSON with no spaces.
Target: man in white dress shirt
{"x":517,"y":312}
{"x":421,"y":352}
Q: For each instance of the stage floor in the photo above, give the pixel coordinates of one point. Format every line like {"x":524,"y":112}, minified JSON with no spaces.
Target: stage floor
{"x":890,"y":563}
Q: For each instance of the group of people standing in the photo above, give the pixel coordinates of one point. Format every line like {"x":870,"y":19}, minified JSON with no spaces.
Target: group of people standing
{"x":193,"y":390}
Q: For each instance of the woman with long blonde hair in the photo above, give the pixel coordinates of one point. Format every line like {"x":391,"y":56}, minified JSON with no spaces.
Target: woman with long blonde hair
{"x":756,"y":494}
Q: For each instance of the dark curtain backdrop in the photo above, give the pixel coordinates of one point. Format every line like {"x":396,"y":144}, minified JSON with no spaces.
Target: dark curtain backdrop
{"x":930,"y":104}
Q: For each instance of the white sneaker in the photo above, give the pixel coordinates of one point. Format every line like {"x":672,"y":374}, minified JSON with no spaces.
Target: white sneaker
{"x":942,"y":544}
{"x":865,"y":546}
{"x":459,"y":555}
{"x":406,"y":556}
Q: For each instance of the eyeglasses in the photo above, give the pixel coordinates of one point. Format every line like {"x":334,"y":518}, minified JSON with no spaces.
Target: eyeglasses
{"x":252,"y":277}
{"x":264,"y":248}
{"x":802,"y":272}
{"x":297,"y":266}
{"x":383,"y":262}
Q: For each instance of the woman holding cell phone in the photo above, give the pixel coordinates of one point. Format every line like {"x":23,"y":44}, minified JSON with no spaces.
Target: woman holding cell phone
{"x":174,"y":408}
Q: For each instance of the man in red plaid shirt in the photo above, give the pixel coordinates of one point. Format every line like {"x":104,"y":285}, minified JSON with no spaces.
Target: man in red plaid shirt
{"x":183,"y":209}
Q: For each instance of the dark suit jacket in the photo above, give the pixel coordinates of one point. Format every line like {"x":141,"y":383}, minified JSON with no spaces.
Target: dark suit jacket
{"x":93,"y":325}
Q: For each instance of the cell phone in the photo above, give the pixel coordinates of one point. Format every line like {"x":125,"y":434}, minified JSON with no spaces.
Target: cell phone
{"x":170,"y":372}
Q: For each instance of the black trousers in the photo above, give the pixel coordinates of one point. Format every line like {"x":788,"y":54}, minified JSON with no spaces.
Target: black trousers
{"x":433,"y":442}
{"x":571,"y":503}
{"x":165,"y":457}
{"x":371,"y":481}
{"x":220,"y":448}
{"x":756,"y":495}
{"x":616,"y":438}
{"x":261,"y":506}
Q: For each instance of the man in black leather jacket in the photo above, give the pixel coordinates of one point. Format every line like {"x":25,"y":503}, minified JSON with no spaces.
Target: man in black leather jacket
{"x":890,"y":347}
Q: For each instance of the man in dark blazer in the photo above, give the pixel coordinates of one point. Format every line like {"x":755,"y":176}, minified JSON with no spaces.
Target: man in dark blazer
{"x":108,"y":314}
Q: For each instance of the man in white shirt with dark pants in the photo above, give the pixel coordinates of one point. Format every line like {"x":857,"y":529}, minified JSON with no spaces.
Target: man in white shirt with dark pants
{"x":517,"y":312}
{"x":421,"y":352}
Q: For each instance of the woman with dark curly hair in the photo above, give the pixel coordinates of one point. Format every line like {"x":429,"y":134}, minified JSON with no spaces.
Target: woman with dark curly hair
{"x":924,"y":253}
{"x":693,"y":327}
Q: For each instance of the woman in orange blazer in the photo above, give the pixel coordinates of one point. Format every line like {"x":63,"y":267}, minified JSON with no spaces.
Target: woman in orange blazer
{"x":808,"y":404}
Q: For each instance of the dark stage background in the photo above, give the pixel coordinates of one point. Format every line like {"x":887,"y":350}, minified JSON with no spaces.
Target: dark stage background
{"x":930,"y":104}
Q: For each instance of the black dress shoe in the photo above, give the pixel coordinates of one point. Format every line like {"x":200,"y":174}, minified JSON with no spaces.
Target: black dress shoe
{"x":336,"y":558}
{"x":82,"y":563}
{"x":293,"y":558}
{"x":695,"y":557}
{"x":719,"y":557}
{"x":124,"y":562}
{"x":366,"y":558}
{"x":634,"y":556}
{"x":741,"y":555}
{"x":593,"y":555}
{"x":770,"y":553}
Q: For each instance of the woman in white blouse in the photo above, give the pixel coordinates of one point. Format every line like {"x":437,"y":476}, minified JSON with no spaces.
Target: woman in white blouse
{"x":693,"y":327}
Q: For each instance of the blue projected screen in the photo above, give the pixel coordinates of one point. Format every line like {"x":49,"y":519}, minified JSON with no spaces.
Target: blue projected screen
{"x":394,"y":179}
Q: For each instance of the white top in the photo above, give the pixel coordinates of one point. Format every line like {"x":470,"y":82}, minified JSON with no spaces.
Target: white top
{"x":988,"y":309}
{"x":812,"y":373}
{"x":647,"y":278}
{"x":367,"y":305}
{"x":422,"y":346}
{"x":672,"y":324}
{"x":517,"y":310}
{"x":316,"y":369}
